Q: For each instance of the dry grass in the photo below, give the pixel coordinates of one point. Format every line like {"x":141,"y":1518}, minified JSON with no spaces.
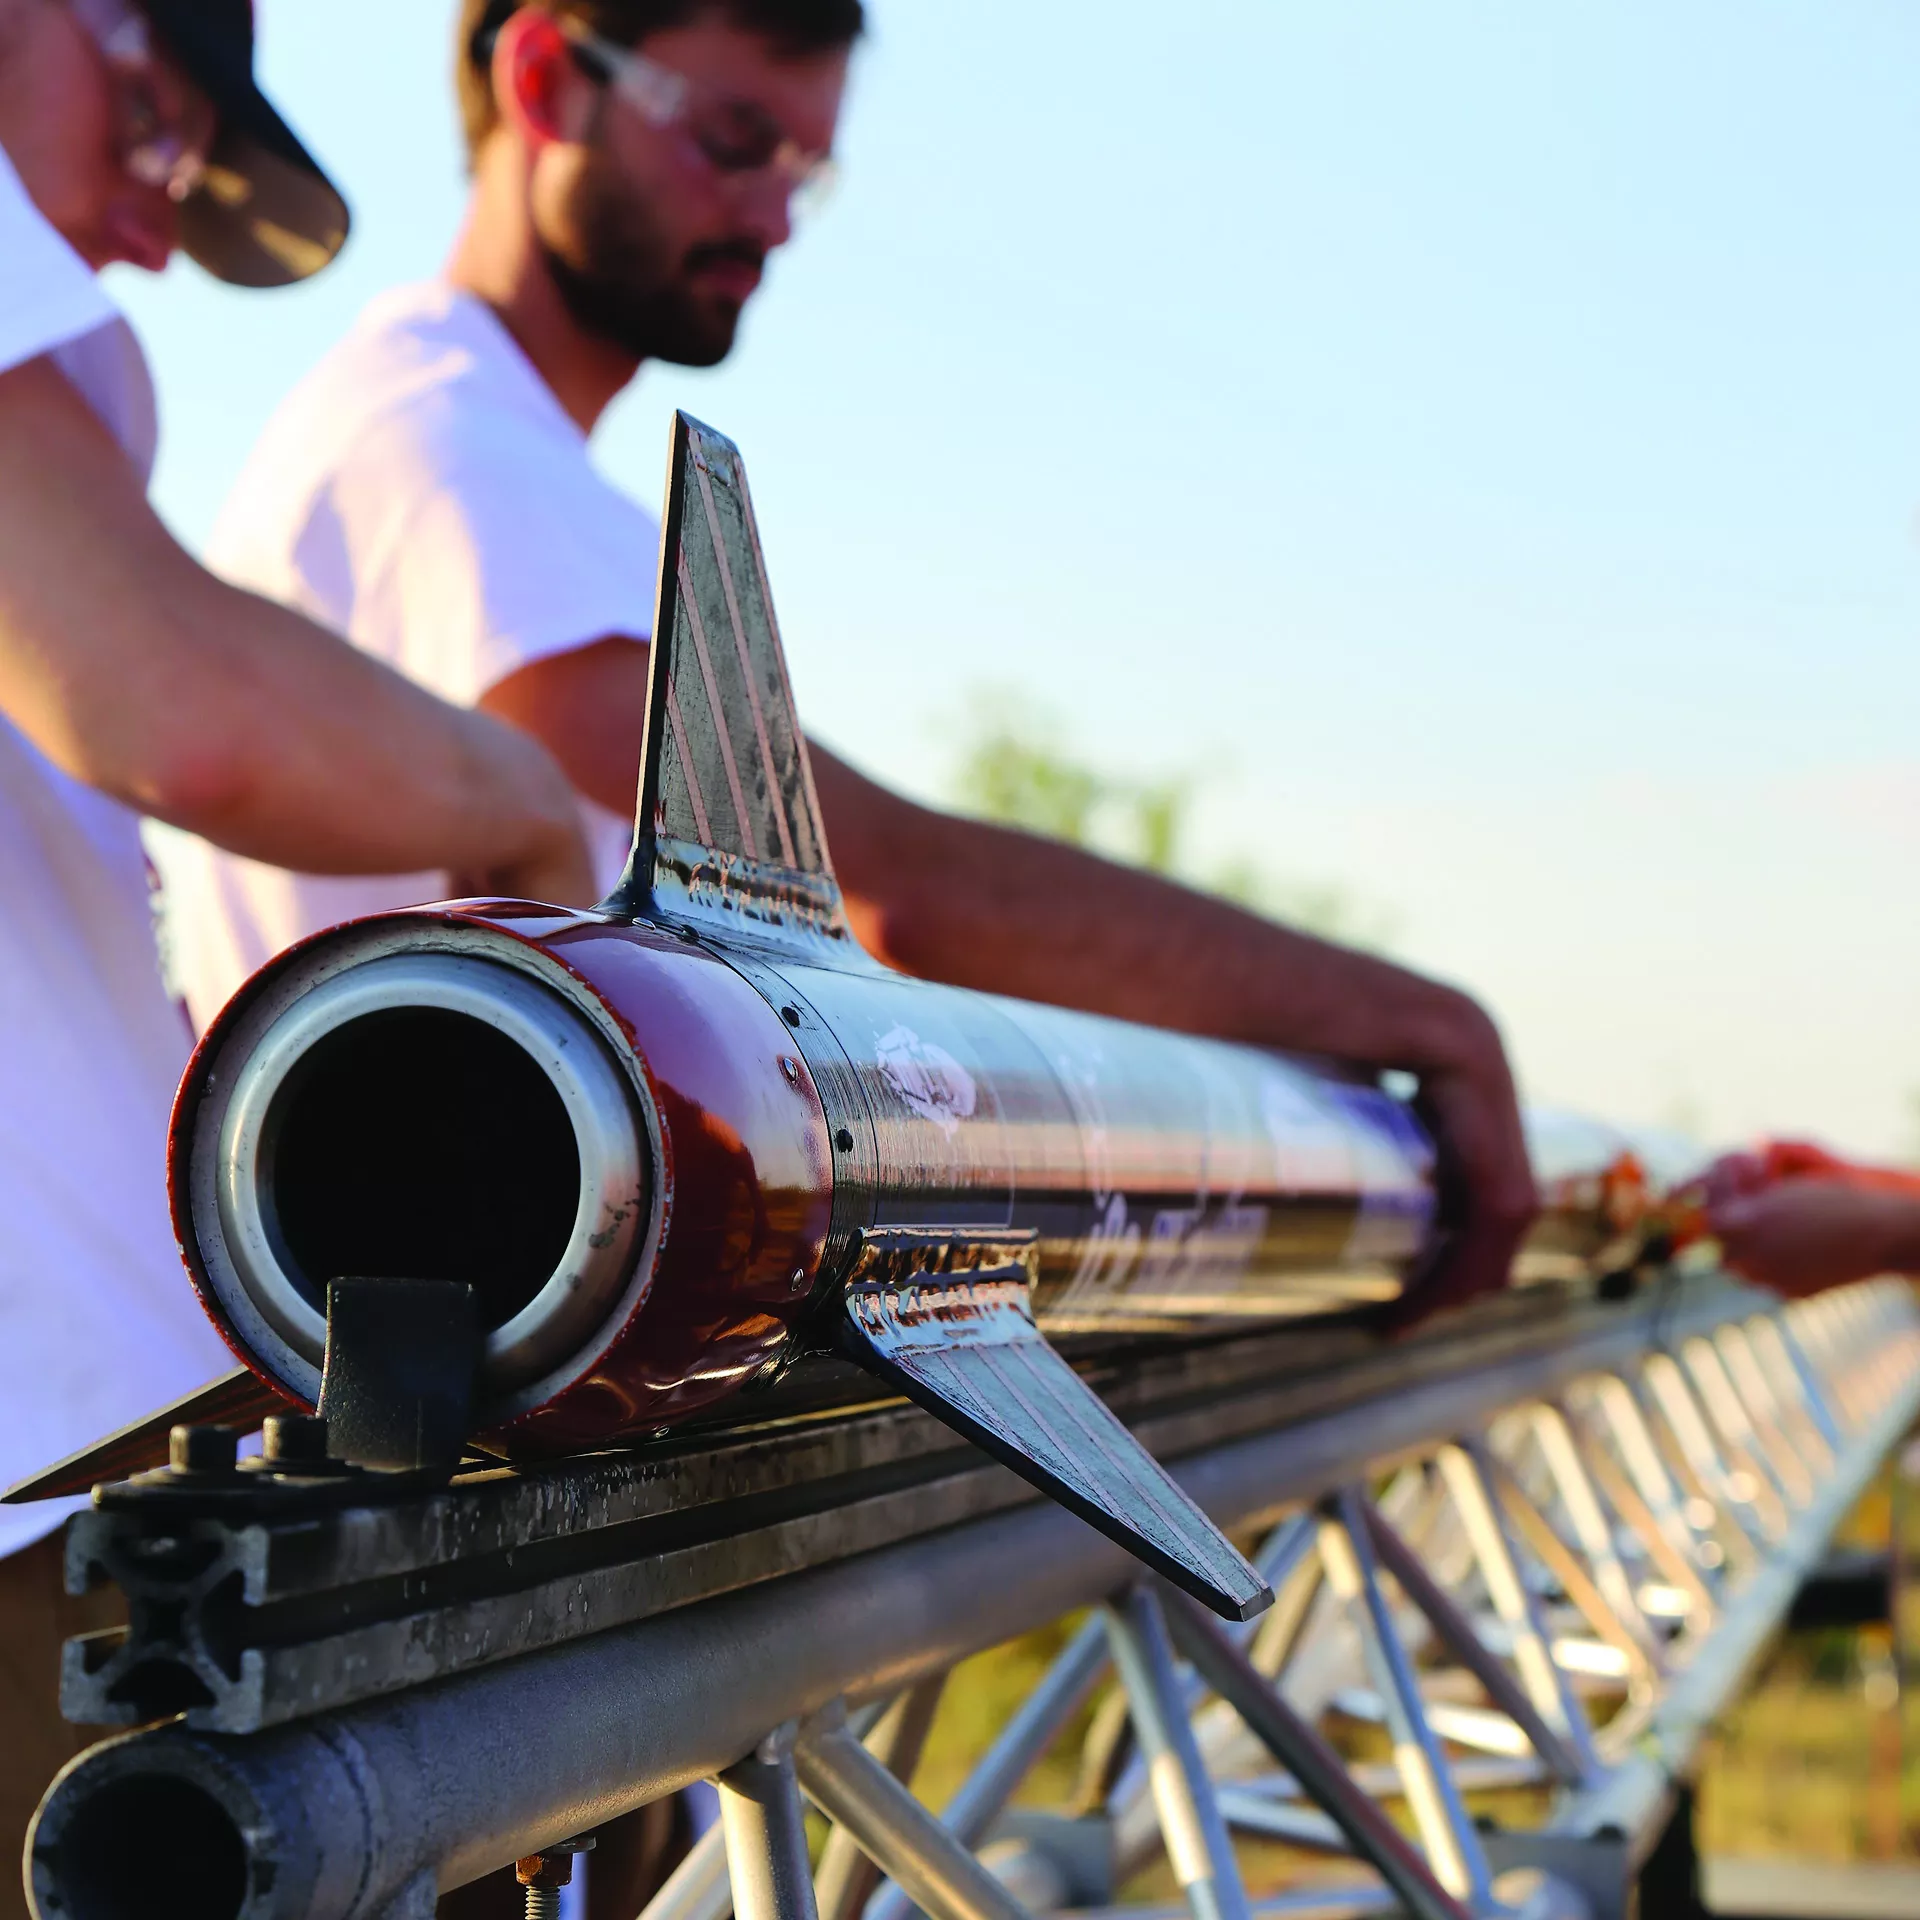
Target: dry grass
{"x":1816,"y":1761}
{"x":1807,"y":1766}
{"x":979,"y":1698}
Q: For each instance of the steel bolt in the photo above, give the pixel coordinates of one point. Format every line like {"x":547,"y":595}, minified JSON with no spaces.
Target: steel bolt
{"x":295,"y":1439}
{"x":203,"y":1449}
{"x":791,"y":1068}
{"x":799,"y":1281}
{"x":543,"y":1874}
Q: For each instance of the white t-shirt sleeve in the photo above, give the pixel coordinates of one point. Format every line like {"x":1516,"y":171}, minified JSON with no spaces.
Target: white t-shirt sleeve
{"x":497,"y":545}
{"x":48,"y":295}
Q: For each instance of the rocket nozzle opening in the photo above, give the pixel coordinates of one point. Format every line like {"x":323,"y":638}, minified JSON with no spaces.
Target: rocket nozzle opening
{"x":420,"y":1143}
{"x":422,"y":1115}
{"x":148,"y":1847}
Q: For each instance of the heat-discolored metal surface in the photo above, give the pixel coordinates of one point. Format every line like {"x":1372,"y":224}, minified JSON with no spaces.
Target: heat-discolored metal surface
{"x":1171,"y":1182}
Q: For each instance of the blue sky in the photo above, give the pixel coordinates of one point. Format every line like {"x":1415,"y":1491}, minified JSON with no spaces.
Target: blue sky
{"x":1483,"y":441}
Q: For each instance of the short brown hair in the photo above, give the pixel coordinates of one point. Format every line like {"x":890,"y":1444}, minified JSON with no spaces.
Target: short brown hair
{"x":795,"y":26}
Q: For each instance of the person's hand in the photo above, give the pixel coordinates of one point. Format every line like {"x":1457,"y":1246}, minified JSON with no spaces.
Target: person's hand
{"x":1802,"y":1235}
{"x":558,"y":874}
{"x":1488,"y":1197}
{"x":545,"y":859}
{"x":1734,"y":1176}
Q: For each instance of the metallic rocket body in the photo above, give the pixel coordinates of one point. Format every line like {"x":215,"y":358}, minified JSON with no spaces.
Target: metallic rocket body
{"x":676,"y":1143}
{"x":663,"y":1139}
{"x":349,"y":1113}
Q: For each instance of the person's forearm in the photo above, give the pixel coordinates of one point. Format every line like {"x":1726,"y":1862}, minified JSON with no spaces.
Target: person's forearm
{"x":978,"y":905}
{"x":320,"y":758}
{"x":1007,"y":912}
{"x":1900,"y":1233}
{"x":993,"y":907}
{"x":136,"y":671}
{"x":1806,"y":1234}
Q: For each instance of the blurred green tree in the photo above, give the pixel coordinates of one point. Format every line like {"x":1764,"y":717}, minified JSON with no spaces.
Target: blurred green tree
{"x":1011,"y":766}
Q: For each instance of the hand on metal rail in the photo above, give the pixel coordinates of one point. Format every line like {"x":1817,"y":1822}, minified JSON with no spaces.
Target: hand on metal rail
{"x":1805,"y":1232}
{"x":1487,"y":1194}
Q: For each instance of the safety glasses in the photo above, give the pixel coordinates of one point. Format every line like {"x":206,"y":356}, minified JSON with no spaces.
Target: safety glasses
{"x":734,"y":136}
{"x":165,"y":125}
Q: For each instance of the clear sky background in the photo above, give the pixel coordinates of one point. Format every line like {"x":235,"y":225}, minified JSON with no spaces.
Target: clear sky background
{"x":1483,"y":440}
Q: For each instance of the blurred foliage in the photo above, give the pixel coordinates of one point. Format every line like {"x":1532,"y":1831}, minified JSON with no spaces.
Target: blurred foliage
{"x":1816,"y":1763}
{"x":979,"y":1699}
{"x":1013,"y":766}
{"x":1820,"y":1759}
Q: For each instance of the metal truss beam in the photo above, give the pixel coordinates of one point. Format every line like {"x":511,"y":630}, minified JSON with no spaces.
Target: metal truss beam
{"x":1553,"y":1574}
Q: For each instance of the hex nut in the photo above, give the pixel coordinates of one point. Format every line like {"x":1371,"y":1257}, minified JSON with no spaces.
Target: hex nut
{"x":295,"y":1439}
{"x":203,"y":1449}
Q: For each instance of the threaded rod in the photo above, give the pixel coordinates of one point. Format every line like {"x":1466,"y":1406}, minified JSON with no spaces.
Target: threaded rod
{"x":543,"y":1903}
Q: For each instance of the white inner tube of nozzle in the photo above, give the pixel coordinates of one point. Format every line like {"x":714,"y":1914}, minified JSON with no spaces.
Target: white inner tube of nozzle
{"x":279,"y":1310}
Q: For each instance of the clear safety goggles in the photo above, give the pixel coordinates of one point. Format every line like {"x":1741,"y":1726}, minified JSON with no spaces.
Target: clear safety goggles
{"x":165,"y":125}
{"x":733,"y":136}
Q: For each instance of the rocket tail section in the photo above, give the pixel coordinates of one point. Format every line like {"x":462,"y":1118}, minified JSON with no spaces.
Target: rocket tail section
{"x":728,"y":842}
{"x":964,"y":1346}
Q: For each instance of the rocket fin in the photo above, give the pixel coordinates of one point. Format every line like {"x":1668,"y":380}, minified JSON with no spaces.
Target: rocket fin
{"x":728,"y":823}
{"x":965,"y":1347}
{"x":240,"y":1399}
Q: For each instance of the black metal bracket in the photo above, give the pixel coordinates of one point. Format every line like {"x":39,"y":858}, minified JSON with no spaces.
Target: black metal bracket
{"x":397,"y":1385}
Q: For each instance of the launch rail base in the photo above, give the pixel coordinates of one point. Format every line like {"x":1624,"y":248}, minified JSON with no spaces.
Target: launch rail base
{"x":1513,"y":1592}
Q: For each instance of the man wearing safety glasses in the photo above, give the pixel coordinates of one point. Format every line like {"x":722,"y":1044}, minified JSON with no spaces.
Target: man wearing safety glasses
{"x":132,"y":681}
{"x":427,"y":489}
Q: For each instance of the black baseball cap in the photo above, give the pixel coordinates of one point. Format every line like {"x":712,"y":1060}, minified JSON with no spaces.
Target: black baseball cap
{"x":265,"y":215}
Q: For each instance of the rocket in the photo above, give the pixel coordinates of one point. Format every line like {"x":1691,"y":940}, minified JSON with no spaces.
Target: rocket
{"x":675,"y":1151}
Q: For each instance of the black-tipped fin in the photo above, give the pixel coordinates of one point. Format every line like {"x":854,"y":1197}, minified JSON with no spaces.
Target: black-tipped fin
{"x":728,"y":828}
{"x":964,"y":1346}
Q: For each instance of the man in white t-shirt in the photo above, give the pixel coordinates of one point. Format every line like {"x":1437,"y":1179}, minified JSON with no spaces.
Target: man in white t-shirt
{"x":373,"y":505}
{"x":131,"y":680}
{"x":427,"y":488}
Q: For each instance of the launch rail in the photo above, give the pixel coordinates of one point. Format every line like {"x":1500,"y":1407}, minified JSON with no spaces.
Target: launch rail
{"x":1539,"y":1550}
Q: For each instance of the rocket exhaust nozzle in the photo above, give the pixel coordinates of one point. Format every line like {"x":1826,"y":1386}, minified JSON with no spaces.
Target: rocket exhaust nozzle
{"x":425,"y":1114}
